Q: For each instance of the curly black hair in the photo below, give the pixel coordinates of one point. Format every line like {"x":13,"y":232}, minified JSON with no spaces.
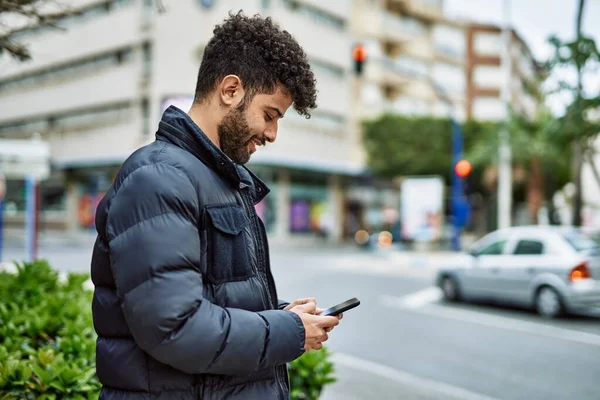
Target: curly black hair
{"x":262,"y":55}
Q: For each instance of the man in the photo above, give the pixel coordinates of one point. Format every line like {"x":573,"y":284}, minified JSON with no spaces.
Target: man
{"x":185,"y":305}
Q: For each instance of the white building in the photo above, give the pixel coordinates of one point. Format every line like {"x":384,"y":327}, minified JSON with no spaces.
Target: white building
{"x":416,"y":58}
{"x":486,"y":76}
{"x":96,"y":92}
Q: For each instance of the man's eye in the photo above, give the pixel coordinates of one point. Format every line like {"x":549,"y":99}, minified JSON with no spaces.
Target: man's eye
{"x":268,"y":117}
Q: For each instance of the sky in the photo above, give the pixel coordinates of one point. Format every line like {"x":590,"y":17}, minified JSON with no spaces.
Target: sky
{"x":535,"y":21}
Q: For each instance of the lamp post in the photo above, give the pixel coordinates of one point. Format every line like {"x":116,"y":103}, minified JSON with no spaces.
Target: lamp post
{"x":504,"y":169}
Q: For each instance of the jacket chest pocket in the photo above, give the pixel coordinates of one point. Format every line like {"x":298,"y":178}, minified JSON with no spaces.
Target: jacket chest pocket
{"x":227,"y":247}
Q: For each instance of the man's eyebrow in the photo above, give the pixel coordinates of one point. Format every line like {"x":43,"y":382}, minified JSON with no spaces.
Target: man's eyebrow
{"x":276,"y":110}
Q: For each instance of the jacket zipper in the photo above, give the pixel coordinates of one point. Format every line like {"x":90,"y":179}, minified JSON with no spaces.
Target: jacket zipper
{"x":262,"y":242}
{"x":268,"y":301}
{"x":279,"y":371}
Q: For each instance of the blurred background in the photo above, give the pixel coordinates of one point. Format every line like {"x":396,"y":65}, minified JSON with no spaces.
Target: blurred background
{"x":451,"y":136}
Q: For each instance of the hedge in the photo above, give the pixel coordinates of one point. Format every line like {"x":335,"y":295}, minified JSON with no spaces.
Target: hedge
{"x":48,"y":344}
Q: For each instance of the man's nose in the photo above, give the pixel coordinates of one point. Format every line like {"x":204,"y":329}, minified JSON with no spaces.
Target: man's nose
{"x":271,"y":135}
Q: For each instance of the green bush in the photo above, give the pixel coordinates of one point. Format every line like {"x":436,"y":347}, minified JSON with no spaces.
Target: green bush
{"x":48,"y":344}
{"x":310,"y":374}
{"x":47,"y":341}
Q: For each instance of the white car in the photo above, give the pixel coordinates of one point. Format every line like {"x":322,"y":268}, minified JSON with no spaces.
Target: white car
{"x":552,"y":269}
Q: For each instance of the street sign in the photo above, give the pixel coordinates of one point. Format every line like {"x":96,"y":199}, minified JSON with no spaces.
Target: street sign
{"x":21,"y":159}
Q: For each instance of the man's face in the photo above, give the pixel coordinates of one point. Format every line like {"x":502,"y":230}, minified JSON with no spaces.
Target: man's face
{"x":247,"y":126}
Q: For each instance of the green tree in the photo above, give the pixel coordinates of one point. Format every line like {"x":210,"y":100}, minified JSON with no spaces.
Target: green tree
{"x":535,"y":150}
{"x":400,"y":146}
{"x":580,"y":54}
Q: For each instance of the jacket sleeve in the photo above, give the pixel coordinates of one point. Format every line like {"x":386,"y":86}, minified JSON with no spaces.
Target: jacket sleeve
{"x":281,"y":304}
{"x":155,"y":255}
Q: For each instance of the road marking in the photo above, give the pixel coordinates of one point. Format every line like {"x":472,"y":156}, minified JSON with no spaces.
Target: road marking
{"x":414,"y":300}
{"x":420,"y":302}
{"x":423,"y":385}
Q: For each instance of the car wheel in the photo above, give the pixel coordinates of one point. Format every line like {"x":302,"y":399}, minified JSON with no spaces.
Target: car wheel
{"x":548,"y":303}
{"x":450,"y":289}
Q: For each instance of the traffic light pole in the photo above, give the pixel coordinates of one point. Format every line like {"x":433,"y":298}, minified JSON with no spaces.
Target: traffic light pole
{"x":457,"y":185}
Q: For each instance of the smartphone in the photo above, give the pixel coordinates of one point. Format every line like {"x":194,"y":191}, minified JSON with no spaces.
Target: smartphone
{"x":340,"y":308}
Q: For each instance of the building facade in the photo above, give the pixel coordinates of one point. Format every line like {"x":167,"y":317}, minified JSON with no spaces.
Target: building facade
{"x":416,"y":58}
{"x":96,"y":91}
{"x":486,"y":76}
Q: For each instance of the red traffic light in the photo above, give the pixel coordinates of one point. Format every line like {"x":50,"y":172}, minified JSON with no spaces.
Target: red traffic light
{"x":359,"y":52}
{"x":463,"y":168}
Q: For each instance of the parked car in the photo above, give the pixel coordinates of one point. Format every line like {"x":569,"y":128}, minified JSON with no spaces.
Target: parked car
{"x":551,"y":269}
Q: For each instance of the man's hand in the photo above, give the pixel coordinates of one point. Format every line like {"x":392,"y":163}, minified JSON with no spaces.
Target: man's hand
{"x":315,"y":326}
{"x":339,"y":316}
{"x":300,"y":302}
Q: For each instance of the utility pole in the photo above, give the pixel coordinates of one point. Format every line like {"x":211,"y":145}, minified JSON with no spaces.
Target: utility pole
{"x":505,"y":168}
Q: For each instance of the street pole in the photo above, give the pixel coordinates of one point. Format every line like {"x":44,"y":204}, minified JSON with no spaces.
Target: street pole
{"x":30,"y":228}
{"x":505,"y":170}
{"x":2,"y":194}
{"x":457,"y":183}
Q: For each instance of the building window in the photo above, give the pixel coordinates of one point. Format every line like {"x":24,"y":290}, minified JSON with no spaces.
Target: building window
{"x":147,"y":58}
{"x":145,"y":117}
{"x":68,"y":70}
{"x":487,"y":44}
{"x":411,"y":66}
{"x":450,"y":77}
{"x":317,"y":15}
{"x":488,"y":76}
{"x":449,"y":40}
{"x":73,"y":120}
{"x":85,"y":14}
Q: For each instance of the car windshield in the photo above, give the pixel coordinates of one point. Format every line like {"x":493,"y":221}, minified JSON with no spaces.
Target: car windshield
{"x":580,"y":242}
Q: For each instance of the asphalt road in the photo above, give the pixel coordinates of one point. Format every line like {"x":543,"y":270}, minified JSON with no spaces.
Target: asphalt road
{"x":402,"y":342}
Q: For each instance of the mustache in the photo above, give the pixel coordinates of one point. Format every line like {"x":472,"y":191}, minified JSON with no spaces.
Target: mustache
{"x":256,"y":139}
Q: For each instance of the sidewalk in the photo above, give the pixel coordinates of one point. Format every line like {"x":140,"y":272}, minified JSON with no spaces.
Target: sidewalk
{"x":353,"y":384}
{"x":14,"y":237}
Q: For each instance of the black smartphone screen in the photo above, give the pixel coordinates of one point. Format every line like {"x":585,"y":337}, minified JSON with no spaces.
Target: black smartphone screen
{"x":340,"y":308}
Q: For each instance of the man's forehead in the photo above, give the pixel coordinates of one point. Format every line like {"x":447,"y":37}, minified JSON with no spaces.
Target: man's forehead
{"x":278,"y":100}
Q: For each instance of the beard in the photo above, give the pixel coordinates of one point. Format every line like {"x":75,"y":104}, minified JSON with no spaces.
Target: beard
{"x":234,"y":135}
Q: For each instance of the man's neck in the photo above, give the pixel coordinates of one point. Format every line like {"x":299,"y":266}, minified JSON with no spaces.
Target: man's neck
{"x":207,"y":117}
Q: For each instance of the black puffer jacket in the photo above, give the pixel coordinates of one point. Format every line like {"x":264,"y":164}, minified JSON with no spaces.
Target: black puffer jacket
{"x":185,"y":306}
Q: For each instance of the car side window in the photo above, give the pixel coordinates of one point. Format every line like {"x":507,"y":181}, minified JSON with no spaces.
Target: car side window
{"x":529,"y":248}
{"x":494,"y":249}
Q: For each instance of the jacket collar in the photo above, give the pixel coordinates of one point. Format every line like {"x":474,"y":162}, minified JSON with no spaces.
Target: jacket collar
{"x":178,"y":128}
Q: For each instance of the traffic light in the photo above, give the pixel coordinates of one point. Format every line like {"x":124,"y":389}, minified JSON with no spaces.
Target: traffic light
{"x":359,"y":55}
{"x":463,"y":168}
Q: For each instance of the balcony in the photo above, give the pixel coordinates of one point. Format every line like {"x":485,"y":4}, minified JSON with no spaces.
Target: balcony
{"x":91,"y":35}
{"x":390,"y":71}
{"x":379,"y":23}
{"x":431,"y":10}
{"x":88,"y":90}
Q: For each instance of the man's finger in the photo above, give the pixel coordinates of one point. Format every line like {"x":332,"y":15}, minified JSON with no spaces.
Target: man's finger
{"x":306,"y":300}
{"x":325,"y":322}
{"x":307,"y":307}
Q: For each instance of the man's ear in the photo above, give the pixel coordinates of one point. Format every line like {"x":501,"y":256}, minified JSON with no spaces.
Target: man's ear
{"x":231,"y":91}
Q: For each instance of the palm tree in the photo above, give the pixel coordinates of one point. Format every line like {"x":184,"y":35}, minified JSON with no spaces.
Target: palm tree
{"x":535,"y":152}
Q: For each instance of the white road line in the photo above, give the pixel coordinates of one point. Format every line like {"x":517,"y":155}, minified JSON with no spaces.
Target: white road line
{"x":424,"y":385}
{"x":494,"y":321}
{"x":415,"y":300}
